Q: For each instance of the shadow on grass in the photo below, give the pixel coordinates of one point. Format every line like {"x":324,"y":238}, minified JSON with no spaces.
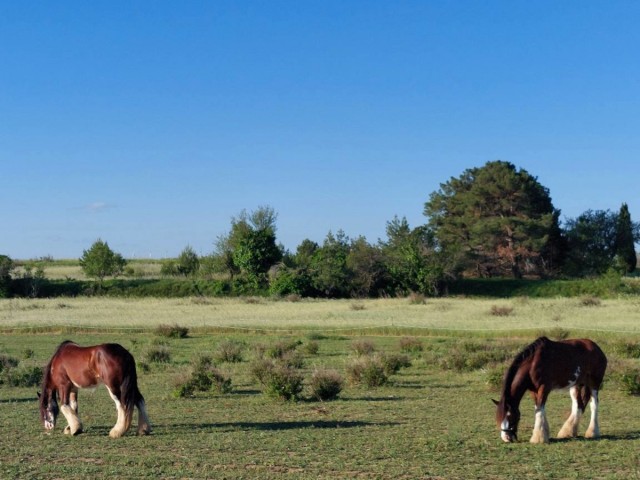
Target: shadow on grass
{"x":265,"y":426}
{"x":33,"y":399}
{"x":624,"y":436}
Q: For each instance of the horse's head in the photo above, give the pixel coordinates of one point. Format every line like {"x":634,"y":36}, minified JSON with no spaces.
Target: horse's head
{"x":48,"y":409}
{"x":507,"y":418}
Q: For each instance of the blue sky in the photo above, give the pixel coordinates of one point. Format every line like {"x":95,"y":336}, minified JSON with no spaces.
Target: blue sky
{"x":150,"y":124}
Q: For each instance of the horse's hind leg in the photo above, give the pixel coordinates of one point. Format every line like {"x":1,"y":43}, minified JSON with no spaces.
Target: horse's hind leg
{"x":144,"y":427}
{"x":121,"y":425}
{"x":594,"y":428}
{"x":570,"y":427}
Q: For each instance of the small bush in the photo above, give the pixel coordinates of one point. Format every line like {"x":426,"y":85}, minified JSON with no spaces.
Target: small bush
{"x":158,"y":354}
{"x":229,"y":351}
{"x":279,"y":349}
{"x":172,"y":331}
{"x":24,"y":376}
{"x":495,"y":377}
{"x":27,"y":353}
{"x":204,"y":377}
{"x":368,"y":371}
{"x":312,"y":347}
{"x":362,"y":347}
{"x":394,"y":362}
{"x":357,"y":306}
{"x":280,"y":381}
{"x":501,"y":311}
{"x":411,"y":345}
{"x":469,"y":356}
{"x":630,"y":380}
{"x":590,"y":301}
{"x":627,"y":349}
{"x":326,"y":384}
{"x":417,"y":298}
{"x":316,"y":336}
{"x":7,"y":362}
{"x":555,"y":333}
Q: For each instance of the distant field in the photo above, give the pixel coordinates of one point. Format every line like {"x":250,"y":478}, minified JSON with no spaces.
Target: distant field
{"x":515,"y":317}
{"x":70,"y":269}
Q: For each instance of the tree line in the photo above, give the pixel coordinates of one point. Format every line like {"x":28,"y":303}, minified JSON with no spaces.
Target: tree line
{"x":491,"y":221}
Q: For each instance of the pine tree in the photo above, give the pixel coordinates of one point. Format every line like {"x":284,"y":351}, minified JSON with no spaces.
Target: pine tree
{"x":625,"y":248}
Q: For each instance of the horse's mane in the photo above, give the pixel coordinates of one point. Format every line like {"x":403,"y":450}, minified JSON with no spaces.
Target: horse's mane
{"x":525,"y":354}
{"x":46,"y":378}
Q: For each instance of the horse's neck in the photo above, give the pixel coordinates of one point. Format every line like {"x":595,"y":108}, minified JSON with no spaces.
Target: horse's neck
{"x":515,"y":389}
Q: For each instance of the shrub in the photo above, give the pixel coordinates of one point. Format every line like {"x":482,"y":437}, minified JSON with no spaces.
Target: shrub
{"x":417,"y":298}
{"x":362,"y":347}
{"x":495,"y":377}
{"x":24,"y":376}
{"x":172,"y":331}
{"x":292,"y":358}
{"x":261,"y":369}
{"x":204,"y":377}
{"x":229,"y":351}
{"x":501,"y":311}
{"x":326,"y":384}
{"x":357,"y":306}
{"x":590,"y":301}
{"x":279,"y":349}
{"x":368,"y":371}
{"x":277,"y":380}
{"x":312,"y":347}
{"x":158,"y":354}
{"x":630,"y":380}
{"x":7,"y":362}
{"x":411,"y":345}
{"x":394,"y":362}
{"x":556,"y":333}
{"x":469,"y":356}
{"x":628,"y":349}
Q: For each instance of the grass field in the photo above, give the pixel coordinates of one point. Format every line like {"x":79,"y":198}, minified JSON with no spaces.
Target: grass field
{"x":431,"y":421}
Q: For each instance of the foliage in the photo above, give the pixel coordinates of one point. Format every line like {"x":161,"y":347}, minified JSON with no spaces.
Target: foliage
{"x":501,"y":310}
{"x":100,"y":261}
{"x":625,"y":240}
{"x":172,"y":331}
{"x":6,"y":266}
{"x":326,"y":384}
{"x":188,"y":262}
{"x":393,"y":362}
{"x":591,"y":243}
{"x":498,"y":219}
{"x":330,"y":275}
{"x":204,"y":377}
{"x":229,"y":351}
{"x":362,"y":346}
{"x":411,"y":345}
{"x":367,"y":370}
{"x":250,"y":247}
{"x":630,"y":381}
{"x":158,"y":354}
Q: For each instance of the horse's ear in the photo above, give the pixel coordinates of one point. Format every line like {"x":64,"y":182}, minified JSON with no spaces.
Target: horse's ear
{"x":495,"y":401}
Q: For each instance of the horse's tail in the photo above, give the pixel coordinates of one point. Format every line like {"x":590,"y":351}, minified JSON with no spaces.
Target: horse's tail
{"x":130,"y":394}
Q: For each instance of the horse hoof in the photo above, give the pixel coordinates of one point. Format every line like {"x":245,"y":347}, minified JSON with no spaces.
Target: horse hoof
{"x":67,"y":430}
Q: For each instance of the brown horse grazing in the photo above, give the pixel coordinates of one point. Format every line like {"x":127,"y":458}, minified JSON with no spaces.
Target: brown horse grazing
{"x":73,"y":367}
{"x":545,"y":366}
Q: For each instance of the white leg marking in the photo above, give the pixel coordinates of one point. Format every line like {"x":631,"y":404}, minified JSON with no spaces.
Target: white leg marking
{"x":541,"y":427}
{"x":594,"y":428}
{"x":119,"y":428}
{"x":75,"y":426}
{"x":570,"y":427}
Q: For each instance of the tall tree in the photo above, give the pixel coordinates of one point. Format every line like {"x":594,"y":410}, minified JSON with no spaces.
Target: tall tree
{"x":250,"y":247}
{"x":591,"y":243}
{"x":500,"y":218}
{"x":625,"y":245}
{"x":100,"y":261}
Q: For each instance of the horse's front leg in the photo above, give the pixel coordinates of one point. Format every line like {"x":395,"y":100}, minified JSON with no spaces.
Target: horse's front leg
{"x":593,"y":431}
{"x":541,"y":426}
{"x":570,"y":427}
{"x":69,"y":408}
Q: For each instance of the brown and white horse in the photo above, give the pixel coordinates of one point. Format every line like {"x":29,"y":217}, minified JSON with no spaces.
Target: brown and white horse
{"x":543,"y":366}
{"x":73,"y":367}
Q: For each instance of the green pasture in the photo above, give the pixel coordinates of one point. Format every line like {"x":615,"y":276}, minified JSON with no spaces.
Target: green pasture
{"x":432,"y":420}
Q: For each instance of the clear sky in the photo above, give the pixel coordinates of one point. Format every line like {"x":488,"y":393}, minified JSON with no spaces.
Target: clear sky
{"x":150,"y":124}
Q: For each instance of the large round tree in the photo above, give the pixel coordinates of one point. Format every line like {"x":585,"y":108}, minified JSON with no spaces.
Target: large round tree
{"x":497,"y":218}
